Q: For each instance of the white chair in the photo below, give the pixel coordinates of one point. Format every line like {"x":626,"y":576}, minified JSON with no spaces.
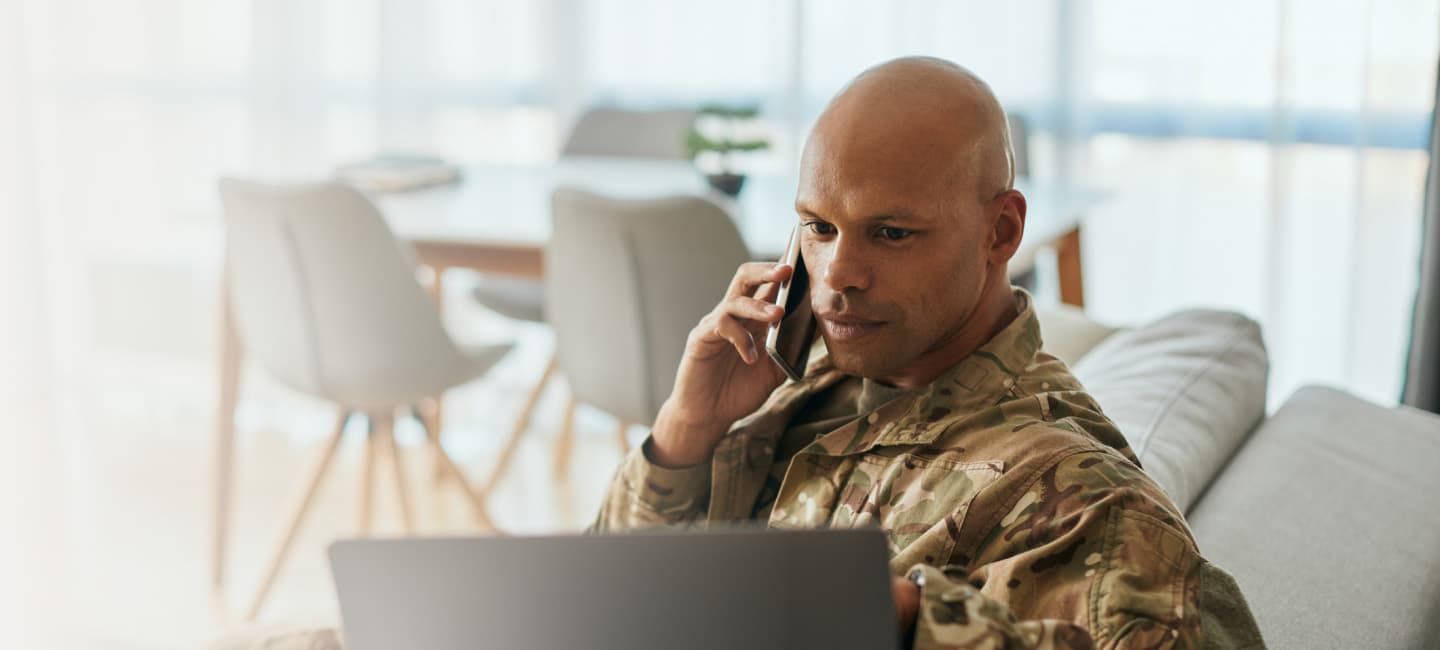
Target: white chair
{"x":626,"y":282}
{"x":1019,"y":143}
{"x":1022,"y":268}
{"x":325,"y":301}
{"x":602,"y":131}
{"x":608,"y":131}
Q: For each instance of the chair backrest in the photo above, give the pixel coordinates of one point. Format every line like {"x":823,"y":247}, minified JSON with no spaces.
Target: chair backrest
{"x":1019,"y":143}
{"x":322,"y":294}
{"x":628,"y":133}
{"x":626,"y":282}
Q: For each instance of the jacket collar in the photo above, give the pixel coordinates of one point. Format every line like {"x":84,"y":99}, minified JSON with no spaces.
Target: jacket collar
{"x":980,"y":380}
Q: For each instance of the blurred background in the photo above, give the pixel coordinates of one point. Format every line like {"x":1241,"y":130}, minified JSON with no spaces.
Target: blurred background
{"x":1266,"y":157}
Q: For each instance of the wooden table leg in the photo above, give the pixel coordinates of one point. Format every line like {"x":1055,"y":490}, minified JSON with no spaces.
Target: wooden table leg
{"x":1067,"y":257}
{"x":231,"y":357}
{"x":435,"y":420}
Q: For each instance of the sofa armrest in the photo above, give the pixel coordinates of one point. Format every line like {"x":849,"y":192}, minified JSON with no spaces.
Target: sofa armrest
{"x":1327,"y":519}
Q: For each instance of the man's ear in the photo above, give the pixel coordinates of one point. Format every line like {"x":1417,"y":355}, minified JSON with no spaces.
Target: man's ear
{"x":1008,"y":224}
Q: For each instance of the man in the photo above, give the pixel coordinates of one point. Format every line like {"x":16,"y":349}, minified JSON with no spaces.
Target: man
{"x":1017,"y":516}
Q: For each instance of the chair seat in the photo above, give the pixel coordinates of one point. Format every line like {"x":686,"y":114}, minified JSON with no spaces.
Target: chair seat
{"x":517,"y":298}
{"x":409,"y":385}
{"x":479,"y":359}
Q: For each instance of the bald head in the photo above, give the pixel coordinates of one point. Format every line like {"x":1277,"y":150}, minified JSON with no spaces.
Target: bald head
{"x":920,"y":113}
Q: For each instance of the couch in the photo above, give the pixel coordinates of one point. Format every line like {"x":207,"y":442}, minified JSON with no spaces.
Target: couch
{"x":1325,"y":511}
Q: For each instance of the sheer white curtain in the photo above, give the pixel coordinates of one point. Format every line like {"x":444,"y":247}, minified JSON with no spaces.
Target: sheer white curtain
{"x":28,"y":393}
{"x":1282,"y":176}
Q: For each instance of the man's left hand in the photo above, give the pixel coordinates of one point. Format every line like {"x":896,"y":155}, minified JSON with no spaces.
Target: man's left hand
{"x":907,"y":604}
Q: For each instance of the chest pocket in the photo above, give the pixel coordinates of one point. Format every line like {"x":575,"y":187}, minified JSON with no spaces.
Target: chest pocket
{"x":919,"y":502}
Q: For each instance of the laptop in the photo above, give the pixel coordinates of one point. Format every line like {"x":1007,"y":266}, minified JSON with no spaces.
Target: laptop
{"x":729,"y":588}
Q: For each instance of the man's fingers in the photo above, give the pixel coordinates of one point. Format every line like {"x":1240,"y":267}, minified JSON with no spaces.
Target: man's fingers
{"x":742,"y":316}
{"x":767,"y":291}
{"x":753,"y":274}
{"x":731,"y":330}
{"x":907,"y":603}
{"x":745,"y":308}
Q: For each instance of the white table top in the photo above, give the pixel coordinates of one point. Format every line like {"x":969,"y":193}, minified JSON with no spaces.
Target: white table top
{"x":509,"y":206}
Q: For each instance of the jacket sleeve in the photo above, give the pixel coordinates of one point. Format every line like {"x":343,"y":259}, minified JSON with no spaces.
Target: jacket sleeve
{"x":645,"y":495}
{"x":1092,"y":554}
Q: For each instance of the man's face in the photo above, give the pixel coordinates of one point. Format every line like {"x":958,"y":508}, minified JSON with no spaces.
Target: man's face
{"x":896,"y":248}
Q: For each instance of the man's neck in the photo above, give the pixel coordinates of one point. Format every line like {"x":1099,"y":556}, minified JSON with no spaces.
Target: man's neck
{"x":995,"y":311}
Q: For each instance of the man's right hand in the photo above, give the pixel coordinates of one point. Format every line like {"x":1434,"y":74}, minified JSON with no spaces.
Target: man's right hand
{"x":724,"y":374}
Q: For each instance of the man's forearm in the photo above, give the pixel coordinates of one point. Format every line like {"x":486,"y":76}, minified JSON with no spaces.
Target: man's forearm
{"x":645,"y":494}
{"x":677,"y":444}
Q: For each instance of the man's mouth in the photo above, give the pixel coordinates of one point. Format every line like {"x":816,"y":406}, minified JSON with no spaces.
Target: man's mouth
{"x":845,"y":327}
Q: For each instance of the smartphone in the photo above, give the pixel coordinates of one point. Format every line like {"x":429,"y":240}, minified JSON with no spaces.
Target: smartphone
{"x":788,"y":342}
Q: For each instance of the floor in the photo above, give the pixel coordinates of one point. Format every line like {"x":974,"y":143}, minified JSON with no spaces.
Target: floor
{"x":113,"y":546}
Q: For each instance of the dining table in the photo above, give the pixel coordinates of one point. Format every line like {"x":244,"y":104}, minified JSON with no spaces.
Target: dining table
{"x":496,"y":219}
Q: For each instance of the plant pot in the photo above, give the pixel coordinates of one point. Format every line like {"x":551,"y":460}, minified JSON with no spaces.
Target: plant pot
{"x":727,"y":183}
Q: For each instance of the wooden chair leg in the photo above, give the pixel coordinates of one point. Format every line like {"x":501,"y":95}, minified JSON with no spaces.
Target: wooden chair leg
{"x":437,"y":414}
{"x":477,"y":501}
{"x":231,"y":355}
{"x":565,"y":443}
{"x":367,"y":475}
{"x":428,"y":415}
{"x":621,"y":428}
{"x":297,"y":516}
{"x":385,"y":429}
{"x":522,"y":423}
{"x":434,"y":451}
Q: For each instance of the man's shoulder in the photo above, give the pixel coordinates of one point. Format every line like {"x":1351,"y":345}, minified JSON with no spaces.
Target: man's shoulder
{"x":1043,"y":412}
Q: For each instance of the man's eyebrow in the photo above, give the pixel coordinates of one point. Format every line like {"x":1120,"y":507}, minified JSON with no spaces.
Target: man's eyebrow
{"x":882,"y":217}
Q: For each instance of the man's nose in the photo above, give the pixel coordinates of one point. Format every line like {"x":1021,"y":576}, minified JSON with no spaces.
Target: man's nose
{"x":846,"y":267}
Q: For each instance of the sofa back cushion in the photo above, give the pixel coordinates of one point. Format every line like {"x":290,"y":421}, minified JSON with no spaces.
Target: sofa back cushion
{"x":1186,"y":391}
{"x":1069,"y":333}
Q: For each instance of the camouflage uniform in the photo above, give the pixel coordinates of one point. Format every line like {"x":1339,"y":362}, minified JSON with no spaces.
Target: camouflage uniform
{"x":1001,"y":482}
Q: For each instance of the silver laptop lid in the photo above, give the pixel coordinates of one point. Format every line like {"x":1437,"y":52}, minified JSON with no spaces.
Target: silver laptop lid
{"x":738,"y":588}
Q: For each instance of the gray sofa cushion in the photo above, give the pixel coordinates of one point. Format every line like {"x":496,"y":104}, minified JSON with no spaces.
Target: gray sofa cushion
{"x":1327,"y":518}
{"x":1185,"y":390}
{"x":1068,"y":333}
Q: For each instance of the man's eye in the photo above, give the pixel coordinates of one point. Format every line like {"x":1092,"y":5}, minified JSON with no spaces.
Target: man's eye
{"x":820,"y":227}
{"x":894,"y":234}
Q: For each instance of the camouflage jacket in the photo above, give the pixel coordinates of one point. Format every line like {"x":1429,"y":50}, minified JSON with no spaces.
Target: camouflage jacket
{"x":1001,"y":483}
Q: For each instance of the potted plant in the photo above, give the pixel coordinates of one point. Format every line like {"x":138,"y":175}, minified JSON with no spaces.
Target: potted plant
{"x":718,"y":133}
